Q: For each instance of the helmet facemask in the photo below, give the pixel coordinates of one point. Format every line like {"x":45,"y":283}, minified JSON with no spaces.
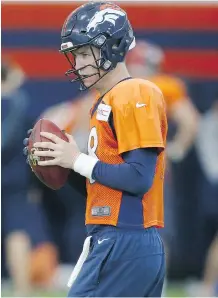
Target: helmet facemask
{"x":77,"y":74}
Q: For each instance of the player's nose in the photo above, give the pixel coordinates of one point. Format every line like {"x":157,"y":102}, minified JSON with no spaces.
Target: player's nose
{"x":78,"y":63}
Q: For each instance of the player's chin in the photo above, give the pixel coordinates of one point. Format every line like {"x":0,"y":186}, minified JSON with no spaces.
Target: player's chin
{"x":90,"y":81}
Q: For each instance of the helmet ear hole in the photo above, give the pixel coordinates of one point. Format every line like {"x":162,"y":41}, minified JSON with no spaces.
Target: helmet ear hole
{"x":116,"y":45}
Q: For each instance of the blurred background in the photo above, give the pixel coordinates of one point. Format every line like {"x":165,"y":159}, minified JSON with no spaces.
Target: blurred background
{"x":43,"y":230}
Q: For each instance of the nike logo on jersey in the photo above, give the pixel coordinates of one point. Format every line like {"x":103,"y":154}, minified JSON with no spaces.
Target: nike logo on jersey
{"x":100,"y":241}
{"x":140,"y":105}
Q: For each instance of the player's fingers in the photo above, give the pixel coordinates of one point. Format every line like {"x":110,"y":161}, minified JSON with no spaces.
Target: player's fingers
{"x":52,"y":162}
{"x":27,"y":160}
{"x":45,"y":145}
{"x":46,"y":153}
{"x":29,"y":131}
{"x":25,"y":151}
{"x":51,"y":137}
{"x":26,"y":142}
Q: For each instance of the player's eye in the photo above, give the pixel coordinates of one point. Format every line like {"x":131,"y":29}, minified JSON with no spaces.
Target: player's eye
{"x":84,"y":55}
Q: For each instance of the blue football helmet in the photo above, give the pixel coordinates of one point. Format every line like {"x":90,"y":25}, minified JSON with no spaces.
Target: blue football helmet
{"x":103,"y":25}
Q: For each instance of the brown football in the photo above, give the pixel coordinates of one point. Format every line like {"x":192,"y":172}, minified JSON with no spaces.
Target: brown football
{"x":53,"y":176}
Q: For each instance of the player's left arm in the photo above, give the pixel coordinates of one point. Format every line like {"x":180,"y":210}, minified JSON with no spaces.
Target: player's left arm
{"x":182,"y":111}
{"x":185,"y":115}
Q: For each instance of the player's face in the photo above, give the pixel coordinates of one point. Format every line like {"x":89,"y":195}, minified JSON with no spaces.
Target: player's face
{"x":85,"y":58}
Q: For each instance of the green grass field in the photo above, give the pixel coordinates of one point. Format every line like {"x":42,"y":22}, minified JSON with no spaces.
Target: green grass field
{"x":174,"y":290}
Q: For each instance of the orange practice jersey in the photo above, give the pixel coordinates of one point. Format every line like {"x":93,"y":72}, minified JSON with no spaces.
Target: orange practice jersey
{"x":137,"y":110}
{"x":173,"y":88}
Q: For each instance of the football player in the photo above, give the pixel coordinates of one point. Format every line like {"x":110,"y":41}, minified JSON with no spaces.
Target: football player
{"x":123,"y":254}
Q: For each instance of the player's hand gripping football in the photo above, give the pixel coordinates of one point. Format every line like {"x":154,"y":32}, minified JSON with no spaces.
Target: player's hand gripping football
{"x":64,"y":153}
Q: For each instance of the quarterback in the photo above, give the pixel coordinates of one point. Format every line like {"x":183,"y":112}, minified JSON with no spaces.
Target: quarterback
{"x":123,"y":254}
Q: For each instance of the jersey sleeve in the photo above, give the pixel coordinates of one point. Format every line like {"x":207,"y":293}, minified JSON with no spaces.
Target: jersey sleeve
{"x":138,"y":117}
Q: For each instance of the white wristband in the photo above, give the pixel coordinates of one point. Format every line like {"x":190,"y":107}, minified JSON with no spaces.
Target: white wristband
{"x":84,"y":165}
